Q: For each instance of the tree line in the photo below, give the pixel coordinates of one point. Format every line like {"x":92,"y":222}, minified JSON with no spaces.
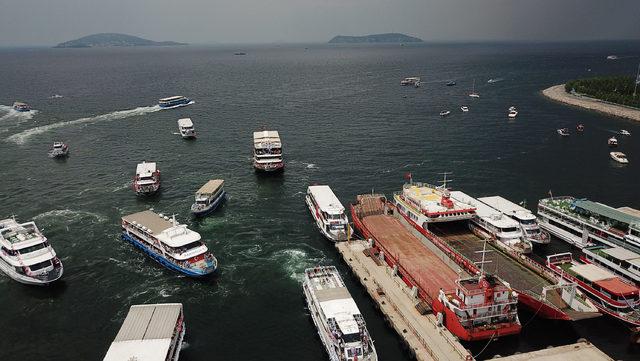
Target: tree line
{"x":614,"y":89}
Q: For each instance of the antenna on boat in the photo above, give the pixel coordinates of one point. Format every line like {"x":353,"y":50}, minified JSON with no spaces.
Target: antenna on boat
{"x":445,"y":180}
{"x":484,"y":251}
{"x":173,"y":219}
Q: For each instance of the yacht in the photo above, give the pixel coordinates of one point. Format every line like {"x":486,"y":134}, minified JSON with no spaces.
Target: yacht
{"x":185,"y":126}
{"x":413,"y":80}
{"x":209,"y":197}
{"x":174,"y":102}
{"x":625,"y":132}
{"x":528,"y":222}
{"x":513,"y":113}
{"x":619,"y":157}
{"x":26,"y":255}
{"x":59,"y":150}
{"x":563,"y":132}
{"x":328,"y":213}
{"x":621,"y":261}
{"x":149,"y":333}
{"x":338,"y":320}
{"x":170,"y":243}
{"x":21,"y":107}
{"x":612,"y":142}
{"x":451,"y":83}
{"x":147,"y":179}
{"x":444,"y":113}
{"x":473,"y":93}
{"x":612,"y":57}
{"x":464,"y":108}
{"x":267,"y":151}
{"x":580,"y":128}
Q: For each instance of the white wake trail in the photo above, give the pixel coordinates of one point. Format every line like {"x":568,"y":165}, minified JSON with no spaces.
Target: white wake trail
{"x":8,"y":113}
{"x":22,"y":137}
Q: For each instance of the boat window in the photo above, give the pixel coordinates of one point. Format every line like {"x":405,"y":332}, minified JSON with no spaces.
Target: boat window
{"x":337,"y":226}
{"x":10,"y":252}
{"x":509,"y":229}
{"x":351,"y":337}
{"x":527,"y":221}
{"x":186,"y":247}
{"x":351,"y":352}
{"x":41,"y":265}
{"x":32,"y":248}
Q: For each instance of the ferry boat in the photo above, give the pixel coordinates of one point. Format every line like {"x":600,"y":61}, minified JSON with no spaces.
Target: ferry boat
{"x":426,"y":203}
{"x":59,"y":150}
{"x":21,"y":107}
{"x":170,"y":243}
{"x":621,"y":261}
{"x":209,"y":197}
{"x":612,"y":142}
{"x":26,"y":255}
{"x":619,"y":157}
{"x":340,"y":324}
{"x":147,"y":179}
{"x":413,"y":80}
{"x":150,"y":333}
{"x":185,"y":126}
{"x":174,"y":102}
{"x":328,"y":212}
{"x":267,"y":151}
{"x":586,"y":223}
{"x":609,"y":293}
{"x":473,"y":308}
{"x":528,"y":222}
{"x":491,"y":224}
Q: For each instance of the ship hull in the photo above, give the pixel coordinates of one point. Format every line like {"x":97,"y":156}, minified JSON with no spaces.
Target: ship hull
{"x":51,"y":276}
{"x":212,"y":207}
{"x":269,"y":168}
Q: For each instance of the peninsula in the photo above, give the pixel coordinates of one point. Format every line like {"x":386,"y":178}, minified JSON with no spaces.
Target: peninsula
{"x":375,"y":38}
{"x":112,"y":40}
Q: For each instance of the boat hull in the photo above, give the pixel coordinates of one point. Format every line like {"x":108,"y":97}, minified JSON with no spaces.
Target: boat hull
{"x":212,"y":207}
{"x":342,"y":236}
{"x":269,"y":168}
{"x":50,"y":277}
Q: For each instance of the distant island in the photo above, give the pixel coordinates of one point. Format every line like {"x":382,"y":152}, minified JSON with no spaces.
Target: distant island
{"x":375,"y":38}
{"x":111,"y":40}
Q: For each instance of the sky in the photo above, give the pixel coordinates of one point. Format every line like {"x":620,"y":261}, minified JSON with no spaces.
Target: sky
{"x":48,"y":22}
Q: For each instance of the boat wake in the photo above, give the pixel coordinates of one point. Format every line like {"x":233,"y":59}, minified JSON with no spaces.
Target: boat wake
{"x":8,"y":112}
{"x":22,"y":137}
{"x":295,"y":261}
{"x":71,"y":215}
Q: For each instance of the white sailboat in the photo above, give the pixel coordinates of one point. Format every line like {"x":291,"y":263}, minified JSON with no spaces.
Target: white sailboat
{"x":473,"y":93}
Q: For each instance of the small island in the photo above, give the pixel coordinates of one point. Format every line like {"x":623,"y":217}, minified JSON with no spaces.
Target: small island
{"x":112,"y":40}
{"x":375,"y":38}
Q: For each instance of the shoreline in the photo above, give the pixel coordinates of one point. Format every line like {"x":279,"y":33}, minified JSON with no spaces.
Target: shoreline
{"x":558,"y":94}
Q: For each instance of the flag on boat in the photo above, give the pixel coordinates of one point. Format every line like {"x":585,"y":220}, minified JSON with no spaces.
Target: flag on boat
{"x":407,"y":176}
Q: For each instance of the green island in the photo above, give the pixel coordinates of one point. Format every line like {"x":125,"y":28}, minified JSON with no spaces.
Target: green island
{"x":614,"y":89}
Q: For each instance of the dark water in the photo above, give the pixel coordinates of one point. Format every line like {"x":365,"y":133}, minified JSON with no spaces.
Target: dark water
{"x":344,"y":121}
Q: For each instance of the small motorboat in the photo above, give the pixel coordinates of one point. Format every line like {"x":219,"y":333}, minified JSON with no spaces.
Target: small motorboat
{"x":612,"y":57}
{"x":21,"y":107}
{"x":625,"y":132}
{"x":580,"y":128}
{"x":412,"y":80}
{"x":464,"y":108}
{"x":619,"y":157}
{"x":612,"y":142}
{"x":59,"y":150}
{"x":563,"y":132}
{"x":513,"y":113}
{"x":444,"y":113}
{"x":451,"y":83}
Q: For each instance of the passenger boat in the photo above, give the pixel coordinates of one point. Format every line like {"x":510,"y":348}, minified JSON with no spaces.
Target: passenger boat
{"x":21,"y":107}
{"x":451,"y":83}
{"x":621,"y":261}
{"x":464,"y":108}
{"x":473,"y":93}
{"x":147,"y":179}
{"x":185,"y":126}
{"x":267,"y":151}
{"x":619,"y":157}
{"x":612,"y":142}
{"x":209,"y":197}
{"x":150,"y":333}
{"x":526,"y":219}
{"x":340,"y":324}
{"x":170,"y":243}
{"x":444,"y":113}
{"x":580,"y":128}
{"x":174,"y":102}
{"x":609,"y":293}
{"x":585,"y":223}
{"x":625,"y":132}
{"x":413,"y":80}
{"x":59,"y":150}
{"x":513,"y":114}
{"x":563,"y":132}
{"x":26,"y":255}
{"x":328,"y":213}
{"x":431,"y":204}
{"x":473,"y":308}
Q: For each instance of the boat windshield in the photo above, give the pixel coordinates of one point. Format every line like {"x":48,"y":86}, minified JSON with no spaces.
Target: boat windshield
{"x":187,"y":247}
{"x":334,"y":216}
{"x":509,"y":229}
{"x":351,"y":337}
{"x":352,"y":352}
{"x":527,"y":221}
{"x":33,"y":248}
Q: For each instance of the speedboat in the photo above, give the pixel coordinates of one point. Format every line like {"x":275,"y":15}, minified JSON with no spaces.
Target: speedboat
{"x":612,"y":57}
{"x":464,"y":108}
{"x":563,"y":132}
{"x":580,"y":128}
{"x":59,"y":150}
{"x":612,"y":142}
{"x":412,"y":80}
{"x":208,"y":197}
{"x":625,"y":132}
{"x":513,"y":113}
{"x":619,"y":157}
{"x":451,"y":83}
{"x":185,"y":126}
{"x":444,"y":113}
{"x":21,"y":107}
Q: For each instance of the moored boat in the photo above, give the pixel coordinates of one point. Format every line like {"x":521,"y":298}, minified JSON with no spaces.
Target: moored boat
{"x":150,"y":333}
{"x":619,"y":157}
{"x":147,"y":179}
{"x":21,"y":107}
{"x":59,"y":150}
{"x":621,"y":261}
{"x":338,"y":320}
{"x":412,"y":80}
{"x":267,"y":151}
{"x":26,"y":255}
{"x":209,"y":197}
{"x":328,"y":212}
{"x":526,"y":219}
{"x":170,"y":243}
{"x":185,"y":125}
{"x":174,"y":102}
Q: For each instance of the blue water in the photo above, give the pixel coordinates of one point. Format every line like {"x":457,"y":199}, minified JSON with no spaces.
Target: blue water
{"x":344,"y":121}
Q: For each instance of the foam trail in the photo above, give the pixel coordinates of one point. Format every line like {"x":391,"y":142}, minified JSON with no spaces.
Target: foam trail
{"x":10,"y":113}
{"x":22,"y":137}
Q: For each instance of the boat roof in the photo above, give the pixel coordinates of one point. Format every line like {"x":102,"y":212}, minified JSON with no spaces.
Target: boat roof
{"x":326,"y":199}
{"x":185,"y":122}
{"x":211,"y":186}
{"x":342,"y":310}
{"x":146,"y":333}
{"x":606,"y":211}
{"x":591,"y":272}
{"x":630,"y":211}
{"x":145,"y":169}
{"x":265,"y":138}
{"x":163,"y":228}
{"x":507,"y":207}
{"x":485,"y":212}
{"x":175,"y":97}
{"x":19,"y":103}
{"x":429,"y":197}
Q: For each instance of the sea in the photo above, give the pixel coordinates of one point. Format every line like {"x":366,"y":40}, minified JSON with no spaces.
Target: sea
{"x":344,"y":120}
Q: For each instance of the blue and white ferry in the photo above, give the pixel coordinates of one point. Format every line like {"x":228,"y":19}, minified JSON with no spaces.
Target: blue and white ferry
{"x":209,"y":197}
{"x":174,"y":102}
{"x":172,"y":244}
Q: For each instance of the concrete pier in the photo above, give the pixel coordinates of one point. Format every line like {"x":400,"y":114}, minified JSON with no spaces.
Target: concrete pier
{"x":575,"y":352}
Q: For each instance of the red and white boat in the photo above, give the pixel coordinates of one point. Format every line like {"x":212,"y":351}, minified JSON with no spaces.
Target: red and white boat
{"x":147,"y":179}
{"x":267,"y":151}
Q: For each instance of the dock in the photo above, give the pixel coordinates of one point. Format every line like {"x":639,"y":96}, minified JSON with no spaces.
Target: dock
{"x":421,"y":332}
{"x":575,"y":352}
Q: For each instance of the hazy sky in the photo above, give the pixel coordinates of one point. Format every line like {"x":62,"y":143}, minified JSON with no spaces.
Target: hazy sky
{"x":47,"y":22}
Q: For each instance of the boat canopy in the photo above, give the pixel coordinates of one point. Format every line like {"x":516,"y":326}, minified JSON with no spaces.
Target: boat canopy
{"x":599,"y":209}
{"x":620,"y":253}
{"x":326,"y":199}
{"x":488,"y":214}
{"x":211,"y":187}
{"x":185,"y":123}
{"x":162,"y":228}
{"x":266,"y":139}
{"x":145,"y":169}
{"x":507,"y":207}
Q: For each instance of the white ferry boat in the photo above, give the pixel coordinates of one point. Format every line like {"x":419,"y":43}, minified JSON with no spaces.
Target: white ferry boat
{"x":149,"y":333}
{"x":425,"y":203}
{"x":621,"y":261}
{"x":21,"y":107}
{"x":172,"y":244}
{"x":412,"y":80}
{"x":26,"y":255}
{"x":59,"y":150}
{"x":328,"y":213}
{"x":174,"y":102}
{"x":267,"y":151}
{"x":585,"y":223}
{"x":185,"y":125}
{"x":528,"y":222}
{"x":209,"y":197}
{"x":147,"y":179}
{"x":336,"y":316}
{"x":491,"y":224}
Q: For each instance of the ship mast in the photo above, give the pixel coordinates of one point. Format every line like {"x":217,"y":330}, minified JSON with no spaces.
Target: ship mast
{"x":445,"y":180}
{"x":481,"y":263}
